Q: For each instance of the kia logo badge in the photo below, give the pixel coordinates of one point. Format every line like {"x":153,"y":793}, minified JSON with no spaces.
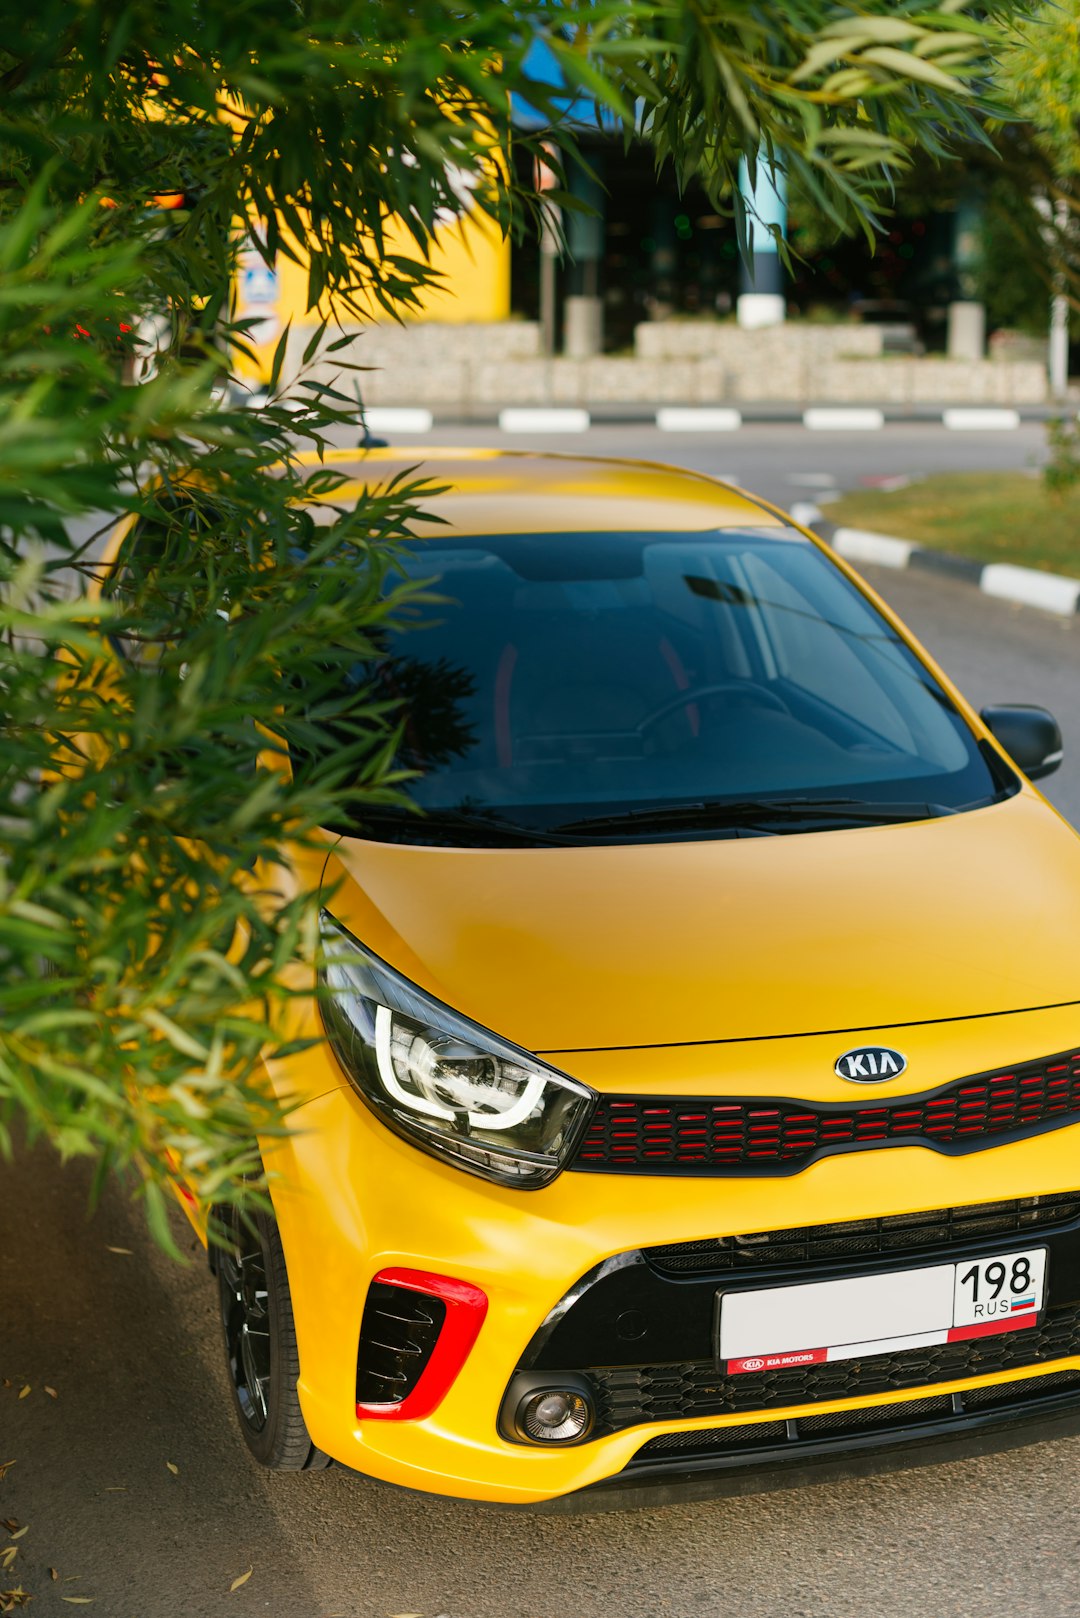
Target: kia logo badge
{"x":870,"y":1064}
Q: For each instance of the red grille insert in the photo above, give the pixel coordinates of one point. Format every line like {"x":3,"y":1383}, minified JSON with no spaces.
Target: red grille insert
{"x":650,"y":1134}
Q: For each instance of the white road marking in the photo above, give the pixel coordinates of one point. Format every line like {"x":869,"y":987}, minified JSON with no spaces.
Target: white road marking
{"x":843,"y":419}
{"x":1050,"y":591}
{"x":398,"y":419}
{"x":699,"y":419}
{"x":859,"y":545}
{"x":976,"y":420}
{"x":528,"y":419}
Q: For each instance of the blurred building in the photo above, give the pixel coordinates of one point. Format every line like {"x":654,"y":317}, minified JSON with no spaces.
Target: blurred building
{"x":585,"y":286}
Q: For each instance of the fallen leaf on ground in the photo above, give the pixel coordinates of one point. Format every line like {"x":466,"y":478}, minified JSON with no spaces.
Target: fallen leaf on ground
{"x":5,"y":1467}
{"x":53,"y":1574}
{"x":17,"y":1533}
{"x":24,"y":1390}
{"x":173,"y":1468}
{"x":116,"y":1488}
{"x":78,"y":1601}
{"x":51,"y":1392}
{"x":14,"y":1598}
{"x":8,"y":1555}
{"x":236,"y":1583}
{"x":125,"y":1250}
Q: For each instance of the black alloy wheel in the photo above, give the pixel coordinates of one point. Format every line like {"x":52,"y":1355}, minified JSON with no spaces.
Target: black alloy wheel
{"x":260,"y":1342}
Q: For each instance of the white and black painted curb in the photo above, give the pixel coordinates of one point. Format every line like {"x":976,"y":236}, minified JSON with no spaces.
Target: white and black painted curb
{"x":1025,"y":586}
{"x":707,"y":419}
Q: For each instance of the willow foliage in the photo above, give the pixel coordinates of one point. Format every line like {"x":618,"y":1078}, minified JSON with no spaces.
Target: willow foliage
{"x":148,"y":942}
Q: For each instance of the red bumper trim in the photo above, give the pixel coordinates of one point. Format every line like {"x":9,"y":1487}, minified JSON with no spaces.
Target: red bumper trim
{"x":466,"y":1307}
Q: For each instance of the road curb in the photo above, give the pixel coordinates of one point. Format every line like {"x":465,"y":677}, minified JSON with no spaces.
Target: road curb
{"x":1024,"y":586}
{"x":701,"y":418}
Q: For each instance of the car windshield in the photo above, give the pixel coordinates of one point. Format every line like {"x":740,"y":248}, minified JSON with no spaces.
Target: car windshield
{"x":610,"y":684}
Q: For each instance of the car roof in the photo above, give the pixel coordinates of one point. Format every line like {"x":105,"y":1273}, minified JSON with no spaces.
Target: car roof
{"x":487,"y":491}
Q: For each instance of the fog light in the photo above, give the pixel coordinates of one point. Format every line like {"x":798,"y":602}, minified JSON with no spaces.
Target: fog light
{"x":556,"y":1416}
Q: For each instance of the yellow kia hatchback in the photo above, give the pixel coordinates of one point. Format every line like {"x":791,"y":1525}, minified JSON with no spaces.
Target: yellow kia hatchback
{"x":694,"y":1097}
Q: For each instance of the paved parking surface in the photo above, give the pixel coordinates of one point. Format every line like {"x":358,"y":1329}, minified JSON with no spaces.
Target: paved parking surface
{"x":129,"y":1344}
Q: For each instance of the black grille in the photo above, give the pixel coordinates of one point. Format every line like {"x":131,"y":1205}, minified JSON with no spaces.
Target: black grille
{"x":839,"y":1423}
{"x":894,"y":1235}
{"x":1005,"y":1393}
{"x":770,"y":1435}
{"x":398,"y":1332}
{"x":629,"y":1395}
{"x":696,"y":1135}
{"x":751,"y":1435}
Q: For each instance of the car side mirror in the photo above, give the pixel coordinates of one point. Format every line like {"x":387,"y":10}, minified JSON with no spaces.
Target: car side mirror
{"x":1030,"y":736}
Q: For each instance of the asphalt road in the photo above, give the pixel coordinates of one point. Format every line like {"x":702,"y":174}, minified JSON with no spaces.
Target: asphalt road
{"x":779,"y":461}
{"x":128,"y":1341}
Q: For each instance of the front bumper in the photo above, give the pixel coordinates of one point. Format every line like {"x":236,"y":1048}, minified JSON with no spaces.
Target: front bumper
{"x":353,"y":1200}
{"x":641,"y":1339}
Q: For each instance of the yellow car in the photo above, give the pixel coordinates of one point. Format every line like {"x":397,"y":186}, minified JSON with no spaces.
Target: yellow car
{"x":695,"y":1092}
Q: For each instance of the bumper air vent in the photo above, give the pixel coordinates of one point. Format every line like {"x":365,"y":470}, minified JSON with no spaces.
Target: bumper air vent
{"x":417,"y":1332}
{"x":397,"y":1338}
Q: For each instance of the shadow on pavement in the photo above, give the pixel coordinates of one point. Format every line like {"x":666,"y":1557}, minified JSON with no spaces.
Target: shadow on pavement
{"x":129,"y":1342}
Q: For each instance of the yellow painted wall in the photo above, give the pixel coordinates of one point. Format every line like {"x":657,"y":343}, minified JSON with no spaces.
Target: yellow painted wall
{"x":470,"y":255}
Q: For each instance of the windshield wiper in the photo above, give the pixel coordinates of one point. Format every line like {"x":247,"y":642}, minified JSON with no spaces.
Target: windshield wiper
{"x":478,"y":825}
{"x":735,"y":812}
{"x":468,"y":823}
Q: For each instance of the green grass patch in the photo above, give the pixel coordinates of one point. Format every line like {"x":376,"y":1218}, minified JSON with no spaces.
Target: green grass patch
{"x":992,"y":516}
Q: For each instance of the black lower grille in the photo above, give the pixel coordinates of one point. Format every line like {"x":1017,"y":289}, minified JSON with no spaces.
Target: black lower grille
{"x":895,"y":1235}
{"x":398,"y":1332}
{"x":756,"y":1436}
{"x":627,"y":1396}
{"x":752,"y":1435}
{"x":839,"y":1423}
{"x":1025,"y":1387}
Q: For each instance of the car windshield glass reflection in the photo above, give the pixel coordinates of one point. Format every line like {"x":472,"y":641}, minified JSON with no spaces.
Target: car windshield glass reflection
{"x":564,"y":679}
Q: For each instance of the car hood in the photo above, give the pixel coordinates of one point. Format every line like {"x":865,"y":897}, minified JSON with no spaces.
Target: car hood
{"x":564,"y":949}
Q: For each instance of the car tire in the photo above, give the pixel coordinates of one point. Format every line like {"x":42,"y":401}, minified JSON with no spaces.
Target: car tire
{"x":261,"y":1355}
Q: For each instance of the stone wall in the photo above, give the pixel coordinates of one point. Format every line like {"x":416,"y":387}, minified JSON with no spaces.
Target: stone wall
{"x":727,"y":342}
{"x":475,"y":370}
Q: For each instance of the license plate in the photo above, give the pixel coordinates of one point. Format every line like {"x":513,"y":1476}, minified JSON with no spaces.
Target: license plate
{"x":779,"y":1328}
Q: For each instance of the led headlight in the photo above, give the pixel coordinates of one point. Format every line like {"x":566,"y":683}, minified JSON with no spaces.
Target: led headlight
{"x":441,"y":1080}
